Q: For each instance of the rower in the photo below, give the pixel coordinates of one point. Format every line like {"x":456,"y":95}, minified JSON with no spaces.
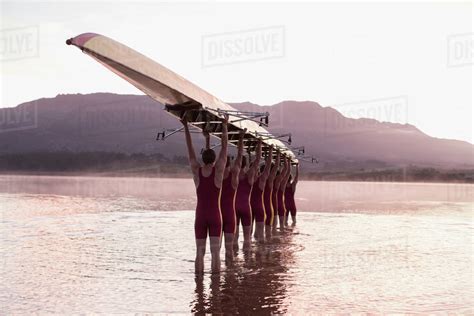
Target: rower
{"x":229,"y":188}
{"x":290,"y":196}
{"x":269,"y":172}
{"x":276,"y":177}
{"x":281,"y":192}
{"x":257,"y":199}
{"x":243,"y":208}
{"x":208,"y":181}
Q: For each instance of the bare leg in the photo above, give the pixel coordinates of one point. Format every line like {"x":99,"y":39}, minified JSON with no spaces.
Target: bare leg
{"x":236,"y":237}
{"x":200,"y":251}
{"x":282,"y":222}
{"x":247,"y":236}
{"x":268,"y":232}
{"x":215,"y":253}
{"x":253,"y":229}
{"x":252,"y":224}
{"x":275,"y":223}
{"x":259,"y":231}
{"x":229,"y":244}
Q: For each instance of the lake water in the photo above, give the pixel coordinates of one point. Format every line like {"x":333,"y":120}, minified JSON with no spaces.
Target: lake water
{"x":126,"y":245}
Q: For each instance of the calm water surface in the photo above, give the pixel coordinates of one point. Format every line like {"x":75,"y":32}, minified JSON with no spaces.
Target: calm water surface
{"x":126,"y":245}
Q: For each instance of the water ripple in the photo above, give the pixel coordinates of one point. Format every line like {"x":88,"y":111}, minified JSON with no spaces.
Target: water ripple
{"x":69,"y":252}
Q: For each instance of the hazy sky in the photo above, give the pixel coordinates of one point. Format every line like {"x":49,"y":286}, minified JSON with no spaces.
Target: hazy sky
{"x":394,"y":62}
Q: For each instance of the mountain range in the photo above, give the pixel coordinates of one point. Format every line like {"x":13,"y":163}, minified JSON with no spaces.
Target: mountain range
{"x":130,"y":123}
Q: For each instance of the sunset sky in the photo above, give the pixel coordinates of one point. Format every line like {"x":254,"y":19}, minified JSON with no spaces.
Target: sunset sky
{"x":360,"y":58}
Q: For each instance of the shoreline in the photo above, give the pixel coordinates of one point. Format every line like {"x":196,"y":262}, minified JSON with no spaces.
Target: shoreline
{"x":118,"y":174}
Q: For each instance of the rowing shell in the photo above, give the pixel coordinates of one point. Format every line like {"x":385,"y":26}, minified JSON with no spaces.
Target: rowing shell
{"x":180,"y":96}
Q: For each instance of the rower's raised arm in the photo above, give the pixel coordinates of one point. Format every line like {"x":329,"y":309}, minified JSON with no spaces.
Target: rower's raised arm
{"x":208,"y":139}
{"x":222,"y":159}
{"x":295,"y":180}
{"x":240,"y":150}
{"x":268,"y":164}
{"x":287,"y":171}
{"x":253,"y":169}
{"x":238,"y":161}
{"x":279,"y":177}
{"x":275,"y":168}
{"x":258,"y":154}
{"x":189,"y":143}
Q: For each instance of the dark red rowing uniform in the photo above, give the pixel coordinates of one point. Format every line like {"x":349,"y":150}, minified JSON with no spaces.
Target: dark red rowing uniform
{"x":274,"y":201}
{"x":290,"y":200}
{"x":208,"y":213}
{"x":228,"y":205}
{"x":267,"y":202}
{"x":281,"y":202}
{"x":243,"y":210}
{"x":256,"y":201}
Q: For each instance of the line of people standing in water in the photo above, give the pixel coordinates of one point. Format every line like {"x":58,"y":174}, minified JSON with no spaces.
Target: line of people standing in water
{"x":240,"y":193}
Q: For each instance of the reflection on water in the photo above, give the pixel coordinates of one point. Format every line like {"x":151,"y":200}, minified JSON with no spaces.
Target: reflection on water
{"x":258,"y":283}
{"x":72,"y":245}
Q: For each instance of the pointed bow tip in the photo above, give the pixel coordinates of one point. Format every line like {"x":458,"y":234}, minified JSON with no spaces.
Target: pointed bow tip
{"x":81,"y":39}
